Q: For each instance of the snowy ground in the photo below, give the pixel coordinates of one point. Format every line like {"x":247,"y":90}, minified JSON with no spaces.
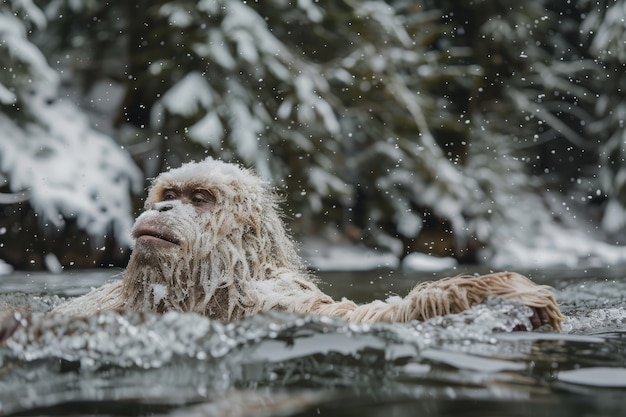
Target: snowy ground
{"x":323,"y":256}
{"x":570,"y":249}
{"x":556,"y":247}
{"x":5,"y":268}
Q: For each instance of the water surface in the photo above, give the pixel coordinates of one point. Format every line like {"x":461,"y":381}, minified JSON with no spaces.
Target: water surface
{"x":279,"y":364}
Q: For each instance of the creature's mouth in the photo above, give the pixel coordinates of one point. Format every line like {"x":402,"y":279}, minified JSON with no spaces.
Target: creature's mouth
{"x":150,"y":234}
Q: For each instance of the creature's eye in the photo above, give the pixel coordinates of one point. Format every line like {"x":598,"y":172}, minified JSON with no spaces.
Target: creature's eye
{"x":169,"y":195}
{"x":202,"y":197}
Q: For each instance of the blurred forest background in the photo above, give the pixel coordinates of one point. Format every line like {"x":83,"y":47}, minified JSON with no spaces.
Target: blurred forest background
{"x":491,"y":131}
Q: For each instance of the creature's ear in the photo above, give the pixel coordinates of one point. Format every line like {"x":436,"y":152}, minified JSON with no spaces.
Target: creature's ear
{"x":252,"y":224}
{"x":250,"y":231}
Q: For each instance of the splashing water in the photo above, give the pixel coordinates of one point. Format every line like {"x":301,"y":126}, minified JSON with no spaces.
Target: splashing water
{"x":286,"y":364}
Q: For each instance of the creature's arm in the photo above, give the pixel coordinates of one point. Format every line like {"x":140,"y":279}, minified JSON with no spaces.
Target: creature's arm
{"x":431,"y":299}
{"x":106,"y":297}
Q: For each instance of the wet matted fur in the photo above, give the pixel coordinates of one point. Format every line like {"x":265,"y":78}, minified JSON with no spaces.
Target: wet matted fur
{"x":225,"y":254}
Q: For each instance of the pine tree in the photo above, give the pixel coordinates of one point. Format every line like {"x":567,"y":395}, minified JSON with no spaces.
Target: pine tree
{"x":62,"y":176}
{"x":413,"y":126}
{"x":603,"y":33}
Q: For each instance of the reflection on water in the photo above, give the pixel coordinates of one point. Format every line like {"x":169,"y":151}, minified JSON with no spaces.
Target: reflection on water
{"x":283,"y":364}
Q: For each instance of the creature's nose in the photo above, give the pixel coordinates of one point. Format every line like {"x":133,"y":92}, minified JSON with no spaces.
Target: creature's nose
{"x":162,"y":206}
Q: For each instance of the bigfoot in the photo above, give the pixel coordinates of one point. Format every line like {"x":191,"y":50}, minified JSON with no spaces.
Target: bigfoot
{"x":211,"y":241}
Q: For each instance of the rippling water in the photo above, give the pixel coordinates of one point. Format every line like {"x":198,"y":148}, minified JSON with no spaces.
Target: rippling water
{"x":280,"y":364}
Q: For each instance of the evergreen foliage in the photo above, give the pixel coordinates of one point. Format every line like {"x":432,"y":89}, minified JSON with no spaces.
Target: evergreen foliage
{"x":433,"y":126}
{"x":59,"y":171}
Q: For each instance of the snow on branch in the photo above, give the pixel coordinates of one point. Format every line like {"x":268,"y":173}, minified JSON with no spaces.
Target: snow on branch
{"x":50,"y":153}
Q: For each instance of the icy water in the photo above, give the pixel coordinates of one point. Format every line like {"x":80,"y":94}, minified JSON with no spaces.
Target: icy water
{"x":287,"y":365}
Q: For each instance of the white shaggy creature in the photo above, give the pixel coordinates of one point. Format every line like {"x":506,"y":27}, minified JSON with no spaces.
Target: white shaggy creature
{"x":211,"y":241}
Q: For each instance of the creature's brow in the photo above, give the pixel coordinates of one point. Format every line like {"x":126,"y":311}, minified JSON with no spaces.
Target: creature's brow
{"x":176,"y":189}
{"x":198,"y":187}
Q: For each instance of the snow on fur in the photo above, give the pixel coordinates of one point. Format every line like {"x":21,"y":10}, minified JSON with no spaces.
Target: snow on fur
{"x":236,"y":259}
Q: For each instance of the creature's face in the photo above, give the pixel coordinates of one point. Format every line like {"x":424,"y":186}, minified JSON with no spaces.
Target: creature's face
{"x":175,"y":222}
{"x":193,"y":209}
